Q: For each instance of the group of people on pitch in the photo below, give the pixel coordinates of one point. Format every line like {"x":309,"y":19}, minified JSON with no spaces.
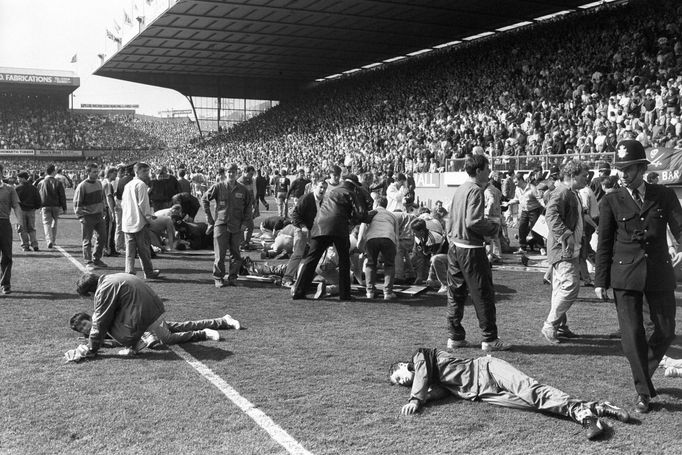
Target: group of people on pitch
{"x":632,"y":258}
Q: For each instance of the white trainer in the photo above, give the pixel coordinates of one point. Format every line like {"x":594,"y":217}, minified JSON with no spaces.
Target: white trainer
{"x":212,"y":335}
{"x":497,"y":345}
{"x":232,"y":322}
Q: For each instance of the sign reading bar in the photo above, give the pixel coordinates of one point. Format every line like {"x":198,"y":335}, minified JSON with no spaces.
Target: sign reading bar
{"x":110,"y":106}
{"x":38,"y":79}
{"x":16,"y":152}
{"x":73,"y":153}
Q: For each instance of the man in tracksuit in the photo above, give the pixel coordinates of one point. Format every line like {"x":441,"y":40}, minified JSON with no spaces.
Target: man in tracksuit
{"x":434,"y":374}
{"x":468,"y":266}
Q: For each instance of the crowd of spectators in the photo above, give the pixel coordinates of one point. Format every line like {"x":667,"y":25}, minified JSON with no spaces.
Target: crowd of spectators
{"x":577,"y":85}
{"x":41,"y":122}
{"x":572,"y":85}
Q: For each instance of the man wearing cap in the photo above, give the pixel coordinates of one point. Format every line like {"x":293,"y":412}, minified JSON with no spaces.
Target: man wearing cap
{"x":29,"y":201}
{"x":633,"y":259}
{"x":234,"y":209}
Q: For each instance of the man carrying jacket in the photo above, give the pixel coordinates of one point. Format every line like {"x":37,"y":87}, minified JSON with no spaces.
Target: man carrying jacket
{"x":633,"y":259}
{"x":564,"y":216}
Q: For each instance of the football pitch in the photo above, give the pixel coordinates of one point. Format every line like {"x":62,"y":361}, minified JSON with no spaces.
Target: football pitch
{"x":305,"y":376}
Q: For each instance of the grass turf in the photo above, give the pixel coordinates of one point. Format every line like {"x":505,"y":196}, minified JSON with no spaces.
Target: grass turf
{"x":317,"y":368}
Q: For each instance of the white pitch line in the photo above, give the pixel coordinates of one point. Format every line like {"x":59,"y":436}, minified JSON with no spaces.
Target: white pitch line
{"x":276,"y":432}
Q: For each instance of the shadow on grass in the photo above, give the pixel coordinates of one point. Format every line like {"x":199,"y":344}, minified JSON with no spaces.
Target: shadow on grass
{"x":185,"y":271}
{"x":671,"y":391}
{"x":577,"y":346}
{"x":207,"y":352}
{"x":41,"y":295}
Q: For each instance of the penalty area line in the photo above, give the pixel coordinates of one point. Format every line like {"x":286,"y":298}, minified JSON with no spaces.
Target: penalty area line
{"x":277,"y":433}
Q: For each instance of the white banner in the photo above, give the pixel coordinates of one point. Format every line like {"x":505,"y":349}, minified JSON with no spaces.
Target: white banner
{"x":16,"y":152}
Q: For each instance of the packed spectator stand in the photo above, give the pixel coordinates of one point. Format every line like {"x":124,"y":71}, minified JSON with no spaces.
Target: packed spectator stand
{"x":576,"y":84}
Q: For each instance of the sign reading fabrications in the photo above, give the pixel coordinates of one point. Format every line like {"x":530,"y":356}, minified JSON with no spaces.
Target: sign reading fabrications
{"x":16,"y":152}
{"x":38,"y":79}
{"x":74,"y":153}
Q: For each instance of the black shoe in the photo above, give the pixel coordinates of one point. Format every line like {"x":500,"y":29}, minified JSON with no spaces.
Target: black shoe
{"x":6,"y":290}
{"x":524,"y":260}
{"x":606,"y":409}
{"x":643,"y":403}
{"x":593,"y":427}
{"x":565,"y":332}
{"x":114,"y":254}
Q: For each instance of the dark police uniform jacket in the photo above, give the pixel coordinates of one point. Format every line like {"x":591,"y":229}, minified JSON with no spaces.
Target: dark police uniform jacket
{"x":633,"y":253}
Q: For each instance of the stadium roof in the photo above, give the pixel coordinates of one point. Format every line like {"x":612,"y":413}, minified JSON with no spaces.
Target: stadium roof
{"x":270,"y":49}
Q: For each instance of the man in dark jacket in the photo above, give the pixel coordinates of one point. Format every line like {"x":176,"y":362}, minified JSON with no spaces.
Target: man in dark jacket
{"x":564,"y":216}
{"x":162,"y":190}
{"x":340,"y":209}
{"x":633,"y":259}
{"x":29,"y":201}
{"x":297,"y":188}
{"x":302,"y":217}
{"x":262,"y":188}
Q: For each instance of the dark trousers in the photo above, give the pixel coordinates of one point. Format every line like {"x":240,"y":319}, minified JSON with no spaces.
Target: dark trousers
{"x":469,"y":273}
{"x":5,"y":253}
{"x":644,"y":353}
{"x":318,"y":245}
{"x":526,"y":223}
{"x":110,"y":221}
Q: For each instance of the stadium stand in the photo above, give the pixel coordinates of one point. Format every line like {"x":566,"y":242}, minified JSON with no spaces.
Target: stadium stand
{"x":574,"y":85}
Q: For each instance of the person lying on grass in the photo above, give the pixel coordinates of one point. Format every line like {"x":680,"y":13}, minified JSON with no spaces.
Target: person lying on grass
{"x":435,"y":374}
{"x":125,"y":307}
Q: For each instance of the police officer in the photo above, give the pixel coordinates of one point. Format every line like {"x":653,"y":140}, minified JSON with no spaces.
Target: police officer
{"x":633,"y":259}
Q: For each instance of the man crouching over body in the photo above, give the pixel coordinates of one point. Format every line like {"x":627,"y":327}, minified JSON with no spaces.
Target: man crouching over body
{"x":125,"y":308}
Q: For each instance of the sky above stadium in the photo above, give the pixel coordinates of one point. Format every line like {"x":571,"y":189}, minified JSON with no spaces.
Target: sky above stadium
{"x":47,"y":34}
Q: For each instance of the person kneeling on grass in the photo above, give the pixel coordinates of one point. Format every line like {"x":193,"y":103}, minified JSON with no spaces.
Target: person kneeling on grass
{"x":435,"y":374}
{"x":125,"y":308}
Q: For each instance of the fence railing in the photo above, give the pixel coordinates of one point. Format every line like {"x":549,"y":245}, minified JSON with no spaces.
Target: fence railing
{"x":507,"y":163}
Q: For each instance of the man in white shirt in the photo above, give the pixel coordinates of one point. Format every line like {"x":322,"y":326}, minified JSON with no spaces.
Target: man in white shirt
{"x":395,"y":193}
{"x":136,"y":217}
